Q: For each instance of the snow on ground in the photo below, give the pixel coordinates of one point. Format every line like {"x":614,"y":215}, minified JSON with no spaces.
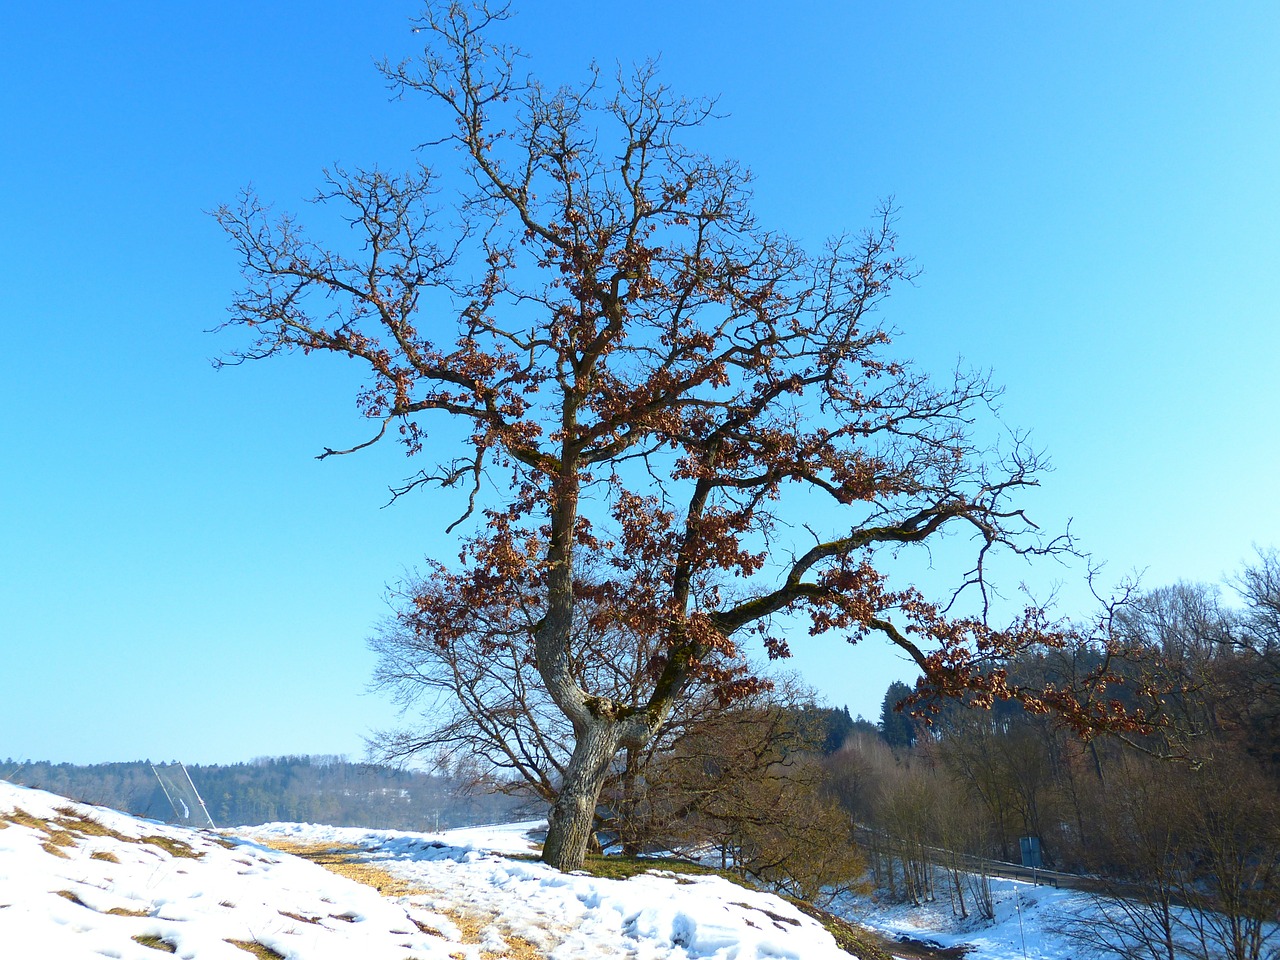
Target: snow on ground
{"x":80,"y":881}
{"x":579,"y":917}
{"x":1028,"y":925}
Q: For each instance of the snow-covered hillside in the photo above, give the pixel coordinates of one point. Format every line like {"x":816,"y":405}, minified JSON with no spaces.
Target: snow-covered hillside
{"x":79,"y":881}
{"x":1031,"y":923}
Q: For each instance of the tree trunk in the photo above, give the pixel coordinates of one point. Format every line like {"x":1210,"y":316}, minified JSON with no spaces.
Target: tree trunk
{"x":572,"y":817}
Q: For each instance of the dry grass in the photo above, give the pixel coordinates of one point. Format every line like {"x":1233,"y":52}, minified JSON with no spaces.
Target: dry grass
{"x":429,"y":931}
{"x":473,"y":928}
{"x":72,"y":820}
{"x":70,"y":827}
{"x":122,"y":912}
{"x":175,"y":848}
{"x":21,"y":818}
{"x":259,"y":950}
{"x":53,"y":851}
{"x":155,"y":943}
{"x":73,"y":897}
{"x":345,"y":861}
{"x":298,"y":916}
{"x":61,"y":838}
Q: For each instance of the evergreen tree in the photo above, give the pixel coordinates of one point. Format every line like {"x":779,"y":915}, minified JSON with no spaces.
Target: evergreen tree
{"x":895,"y":725}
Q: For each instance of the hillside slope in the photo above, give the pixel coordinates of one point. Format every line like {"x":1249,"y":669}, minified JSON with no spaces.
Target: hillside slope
{"x":80,"y":881}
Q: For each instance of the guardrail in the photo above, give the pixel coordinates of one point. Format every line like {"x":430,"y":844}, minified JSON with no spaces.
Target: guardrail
{"x":970,"y":863}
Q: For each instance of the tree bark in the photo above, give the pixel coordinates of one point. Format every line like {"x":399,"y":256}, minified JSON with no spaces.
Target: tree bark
{"x":572,"y":817}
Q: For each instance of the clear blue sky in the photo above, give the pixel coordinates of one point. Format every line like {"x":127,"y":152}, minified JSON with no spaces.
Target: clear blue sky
{"x":1092,"y":191}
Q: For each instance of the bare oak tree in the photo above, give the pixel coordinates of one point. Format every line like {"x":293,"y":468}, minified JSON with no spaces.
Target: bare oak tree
{"x":458,"y":661}
{"x":644,"y":372}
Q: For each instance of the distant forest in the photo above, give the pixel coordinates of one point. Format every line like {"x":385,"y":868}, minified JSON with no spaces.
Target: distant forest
{"x":328,"y":789}
{"x":303,"y":789}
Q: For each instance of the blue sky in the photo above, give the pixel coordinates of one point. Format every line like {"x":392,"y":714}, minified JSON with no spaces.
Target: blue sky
{"x":1091,"y":191}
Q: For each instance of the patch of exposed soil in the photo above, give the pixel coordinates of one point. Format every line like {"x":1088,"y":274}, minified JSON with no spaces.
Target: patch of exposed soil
{"x":908,"y":948}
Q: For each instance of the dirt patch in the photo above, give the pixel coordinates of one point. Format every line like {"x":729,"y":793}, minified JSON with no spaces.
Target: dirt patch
{"x":909,"y":948}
